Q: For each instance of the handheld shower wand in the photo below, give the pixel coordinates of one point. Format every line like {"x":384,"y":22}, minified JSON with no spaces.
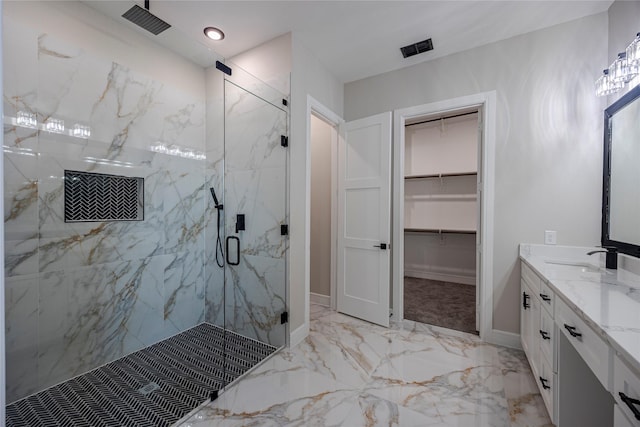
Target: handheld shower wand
{"x":215,"y":199}
{"x":219,"y":250}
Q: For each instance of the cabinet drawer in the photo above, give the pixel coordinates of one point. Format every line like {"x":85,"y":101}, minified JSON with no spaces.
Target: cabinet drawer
{"x":547,"y":297}
{"x":619,"y":419}
{"x":546,"y":338}
{"x":593,"y":350}
{"x":626,"y":381}
{"x":547,"y":385}
{"x":532,"y":279}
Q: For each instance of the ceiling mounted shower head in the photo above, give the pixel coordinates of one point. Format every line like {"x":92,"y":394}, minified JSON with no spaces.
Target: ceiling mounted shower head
{"x":145,"y":19}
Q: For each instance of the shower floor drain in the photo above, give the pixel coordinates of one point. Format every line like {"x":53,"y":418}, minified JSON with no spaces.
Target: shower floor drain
{"x":189,"y":366}
{"x":148,"y":388}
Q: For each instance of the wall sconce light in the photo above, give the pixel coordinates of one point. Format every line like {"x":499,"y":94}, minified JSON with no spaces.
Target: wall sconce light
{"x":606,"y":86}
{"x":633,"y":50}
{"x":624,"y":69}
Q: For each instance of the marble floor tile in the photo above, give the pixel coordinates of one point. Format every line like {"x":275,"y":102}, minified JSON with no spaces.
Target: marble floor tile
{"x":526,"y":407}
{"x":349,"y":372}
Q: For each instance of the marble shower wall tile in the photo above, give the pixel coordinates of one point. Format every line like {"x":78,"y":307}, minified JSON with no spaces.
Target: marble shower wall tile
{"x":93,"y":315}
{"x":252,"y":132}
{"x":20,"y":74}
{"x":21,"y":335}
{"x":82,"y":294}
{"x":123,"y":108}
{"x":21,"y":212}
{"x":214,"y":288}
{"x":260,"y":195}
{"x":214,"y":149}
{"x":255,"y":297}
{"x":20,"y":191}
{"x":184,"y":290}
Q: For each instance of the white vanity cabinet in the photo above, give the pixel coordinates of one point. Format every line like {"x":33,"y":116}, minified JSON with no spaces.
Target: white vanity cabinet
{"x":571,"y":363}
{"x":537,"y":333}
{"x":579,"y":329}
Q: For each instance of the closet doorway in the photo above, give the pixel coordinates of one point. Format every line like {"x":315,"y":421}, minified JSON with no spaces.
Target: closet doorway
{"x":443,"y":210}
{"x":440,"y":219}
{"x":323,"y":156}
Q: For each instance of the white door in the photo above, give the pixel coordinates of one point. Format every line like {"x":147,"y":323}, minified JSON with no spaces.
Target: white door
{"x":479,"y":205}
{"x":364,"y":210}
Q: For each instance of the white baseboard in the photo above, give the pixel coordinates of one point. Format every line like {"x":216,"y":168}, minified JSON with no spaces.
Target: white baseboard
{"x":319,"y":299}
{"x":442,"y":277}
{"x":299,"y":335}
{"x":505,"y":339}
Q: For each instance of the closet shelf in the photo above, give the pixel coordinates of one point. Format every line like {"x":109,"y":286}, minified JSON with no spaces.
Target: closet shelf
{"x":440,"y":175}
{"x":441,"y":197}
{"x":439,"y":230}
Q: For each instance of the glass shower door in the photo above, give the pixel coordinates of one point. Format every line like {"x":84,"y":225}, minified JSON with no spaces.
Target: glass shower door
{"x":255,"y":184}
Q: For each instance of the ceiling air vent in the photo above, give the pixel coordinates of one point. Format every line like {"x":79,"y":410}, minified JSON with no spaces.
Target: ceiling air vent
{"x":416,"y":48}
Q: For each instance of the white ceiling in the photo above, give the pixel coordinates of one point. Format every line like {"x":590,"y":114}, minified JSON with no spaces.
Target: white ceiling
{"x":357,"y":39}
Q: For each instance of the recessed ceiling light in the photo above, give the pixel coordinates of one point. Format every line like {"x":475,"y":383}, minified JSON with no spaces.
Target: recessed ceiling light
{"x":213,"y":33}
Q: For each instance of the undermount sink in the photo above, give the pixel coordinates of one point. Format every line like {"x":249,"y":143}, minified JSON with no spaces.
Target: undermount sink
{"x":584,"y":267}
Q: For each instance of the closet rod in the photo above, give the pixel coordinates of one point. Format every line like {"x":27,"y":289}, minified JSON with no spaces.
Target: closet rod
{"x":439,"y":231}
{"x":442,"y":118}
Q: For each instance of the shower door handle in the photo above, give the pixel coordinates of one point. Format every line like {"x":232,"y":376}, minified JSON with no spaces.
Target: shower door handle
{"x":237,"y":240}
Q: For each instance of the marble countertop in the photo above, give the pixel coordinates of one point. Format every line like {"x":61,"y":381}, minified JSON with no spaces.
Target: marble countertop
{"x":607,"y":300}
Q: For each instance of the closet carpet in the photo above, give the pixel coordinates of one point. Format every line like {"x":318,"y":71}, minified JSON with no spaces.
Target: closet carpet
{"x":445,"y":304}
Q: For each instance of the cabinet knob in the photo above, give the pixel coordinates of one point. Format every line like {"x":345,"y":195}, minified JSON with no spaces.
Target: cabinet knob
{"x":545,"y":335}
{"x":545,"y":297}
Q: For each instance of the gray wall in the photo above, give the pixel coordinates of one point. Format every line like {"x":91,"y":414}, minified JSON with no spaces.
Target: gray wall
{"x":624,"y":24}
{"x":308,"y":77}
{"x":549,"y":135}
{"x":320,"y":243}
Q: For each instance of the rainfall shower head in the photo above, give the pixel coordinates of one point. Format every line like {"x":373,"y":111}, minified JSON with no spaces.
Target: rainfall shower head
{"x":145,"y":19}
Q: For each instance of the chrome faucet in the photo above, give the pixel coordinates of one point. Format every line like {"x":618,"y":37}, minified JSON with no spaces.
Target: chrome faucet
{"x":611,"y":261}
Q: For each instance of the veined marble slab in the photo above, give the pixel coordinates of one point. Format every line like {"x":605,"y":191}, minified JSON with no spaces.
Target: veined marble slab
{"x":352,"y":373}
{"x":82,"y":294}
{"x":607,"y":300}
{"x":255,"y":168}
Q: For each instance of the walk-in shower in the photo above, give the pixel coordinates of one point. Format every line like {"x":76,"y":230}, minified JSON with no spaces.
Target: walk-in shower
{"x":145,"y":219}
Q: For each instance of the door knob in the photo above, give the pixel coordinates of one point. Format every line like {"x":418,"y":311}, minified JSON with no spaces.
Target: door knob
{"x":382,"y":246}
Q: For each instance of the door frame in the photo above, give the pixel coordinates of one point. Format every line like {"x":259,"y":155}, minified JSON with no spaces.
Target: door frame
{"x":319,"y":110}
{"x":334,"y":204}
{"x":487,"y":102}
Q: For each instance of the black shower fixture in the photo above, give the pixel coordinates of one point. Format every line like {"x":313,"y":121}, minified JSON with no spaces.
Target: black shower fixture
{"x":145,"y":19}
{"x":416,"y":48}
